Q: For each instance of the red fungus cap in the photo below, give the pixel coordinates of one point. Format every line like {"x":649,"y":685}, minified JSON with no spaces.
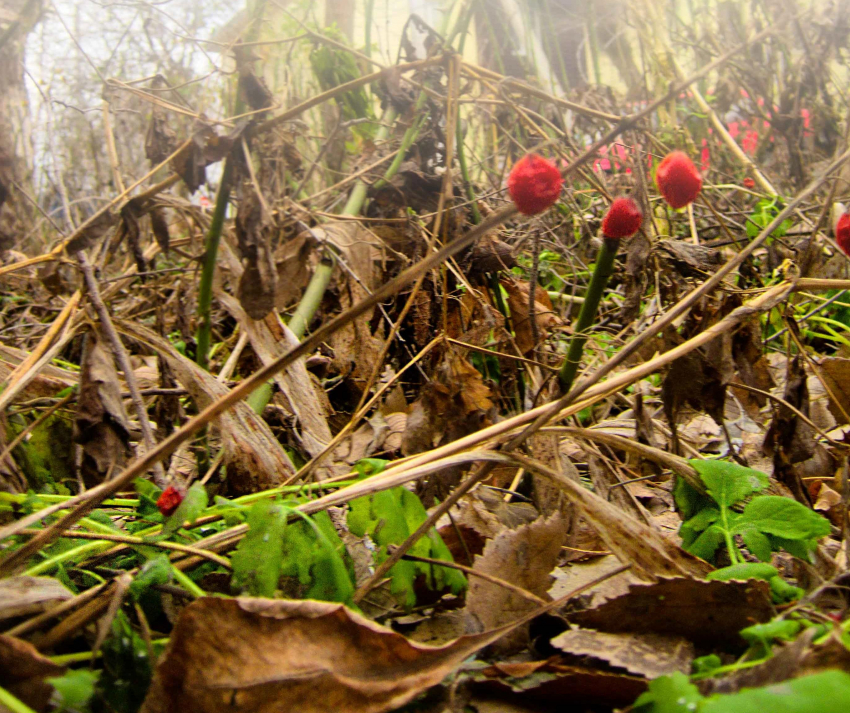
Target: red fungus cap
{"x":842,"y":233}
{"x":169,"y":501}
{"x":622,"y":220}
{"x":678,"y":179}
{"x":534,"y":184}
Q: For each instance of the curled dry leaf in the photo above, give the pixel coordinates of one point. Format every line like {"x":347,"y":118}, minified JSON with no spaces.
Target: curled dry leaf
{"x":259,"y":278}
{"x":23,"y":595}
{"x":100,"y":423}
{"x":524,"y":557}
{"x":23,"y":672}
{"x":277,"y":656}
{"x":648,"y":655}
{"x":544,"y":314}
{"x":710,"y":614}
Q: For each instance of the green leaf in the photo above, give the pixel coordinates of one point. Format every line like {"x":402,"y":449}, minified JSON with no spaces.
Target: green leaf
{"x":688,"y":499}
{"x":729,"y":483}
{"x":784,"y":517}
{"x":783,"y":592}
{"x":745,"y":571}
{"x":771,"y":631}
{"x":706,"y":664}
{"x":155,"y":571}
{"x":690,"y":529}
{"x":194,"y":503}
{"x":669,"y":694}
{"x":826,"y":692}
{"x":369,"y":466}
{"x":756,"y":542}
{"x":75,"y":688}
{"x":707,"y":543}
{"x":127,"y":667}
{"x":257,"y":560}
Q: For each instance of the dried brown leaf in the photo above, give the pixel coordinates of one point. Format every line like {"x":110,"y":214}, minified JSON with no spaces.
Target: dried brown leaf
{"x":23,"y":595}
{"x":710,"y":614}
{"x":23,"y":670}
{"x":277,"y":656}
{"x":648,"y":655}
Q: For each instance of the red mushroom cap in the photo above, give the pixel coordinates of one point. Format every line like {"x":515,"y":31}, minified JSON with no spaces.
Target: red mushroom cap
{"x":623,"y":219}
{"x":842,"y":233}
{"x":534,"y":184}
{"x":678,"y":179}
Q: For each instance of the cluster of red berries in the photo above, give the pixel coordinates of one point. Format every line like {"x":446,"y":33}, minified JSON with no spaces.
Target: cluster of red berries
{"x":535,"y":183}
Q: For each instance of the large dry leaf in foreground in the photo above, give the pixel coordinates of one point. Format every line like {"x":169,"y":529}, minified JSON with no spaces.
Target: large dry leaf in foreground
{"x":275,"y":656}
{"x":23,"y":670}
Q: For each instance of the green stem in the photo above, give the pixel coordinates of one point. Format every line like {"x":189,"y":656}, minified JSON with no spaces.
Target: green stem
{"x":210,"y":256}
{"x":587,"y":315}
{"x":12,"y":703}
{"x":594,"y":47}
{"x":183,"y":579}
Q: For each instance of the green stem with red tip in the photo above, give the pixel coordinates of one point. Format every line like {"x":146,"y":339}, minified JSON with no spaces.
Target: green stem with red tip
{"x":587,"y":315}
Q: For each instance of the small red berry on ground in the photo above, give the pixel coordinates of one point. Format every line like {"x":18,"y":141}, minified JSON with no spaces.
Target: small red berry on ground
{"x":622,"y":220}
{"x":678,"y":179}
{"x":169,"y":501}
{"x":749,"y":183}
{"x":842,"y":233}
{"x":534,"y":184}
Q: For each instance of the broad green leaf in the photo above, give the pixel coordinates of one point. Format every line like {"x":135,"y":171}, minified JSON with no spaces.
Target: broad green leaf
{"x":690,"y":529}
{"x":688,"y":499}
{"x":799,"y":548}
{"x":729,"y":483}
{"x":706,"y":664}
{"x":784,"y":517}
{"x":369,"y":466}
{"x":155,"y":571}
{"x":784,"y":592}
{"x":776,"y":630}
{"x":194,"y":503}
{"x":707,"y":543}
{"x":75,"y":688}
{"x":826,"y":692}
{"x":756,"y":542}
{"x":257,"y":560}
{"x":669,"y":694}
{"x":747,"y":570}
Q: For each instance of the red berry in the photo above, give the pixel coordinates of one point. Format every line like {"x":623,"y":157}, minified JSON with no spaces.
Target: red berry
{"x":622,"y":220}
{"x":169,"y":500}
{"x":678,"y":179}
{"x":749,"y":183}
{"x":534,"y":184}
{"x":842,"y":233}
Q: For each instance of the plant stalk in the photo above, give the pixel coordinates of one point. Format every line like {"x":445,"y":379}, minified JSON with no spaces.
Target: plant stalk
{"x":205,"y":289}
{"x":587,"y":315}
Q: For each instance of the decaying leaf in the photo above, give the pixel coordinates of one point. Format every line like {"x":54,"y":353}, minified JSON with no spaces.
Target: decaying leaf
{"x":101,"y":425}
{"x":648,"y":655}
{"x":524,"y":557}
{"x":159,"y":225}
{"x":160,"y":140}
{"x":23,"y":672}
{"x":258,"y":281}
{"x":23,"y":595}
{"x":277,"y":656}
{"x":544,"y":314}
{"x":835,"y":372}
{"x":700,"y":611}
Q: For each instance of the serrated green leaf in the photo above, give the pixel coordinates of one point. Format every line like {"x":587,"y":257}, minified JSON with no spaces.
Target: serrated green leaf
{"x":258,"y":558}
{"x":784,"y":517}
{"x":669,"y":694}
{"x":756,"y":542}
{"x":75,"y":688}
{"x":826,"y":692}
{"x":688,"y":499}
{"x":156,"y":570}
{"x":690,"y":529}
{"x":729,"y":483}
{"x":707,"y":543}
{"x":745,"y":571}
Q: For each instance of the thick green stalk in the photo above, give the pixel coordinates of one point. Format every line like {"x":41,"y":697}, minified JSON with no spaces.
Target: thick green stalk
{"x":312,"y":298}
{"x":210,"y":256}
{"x":587,"y":315}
